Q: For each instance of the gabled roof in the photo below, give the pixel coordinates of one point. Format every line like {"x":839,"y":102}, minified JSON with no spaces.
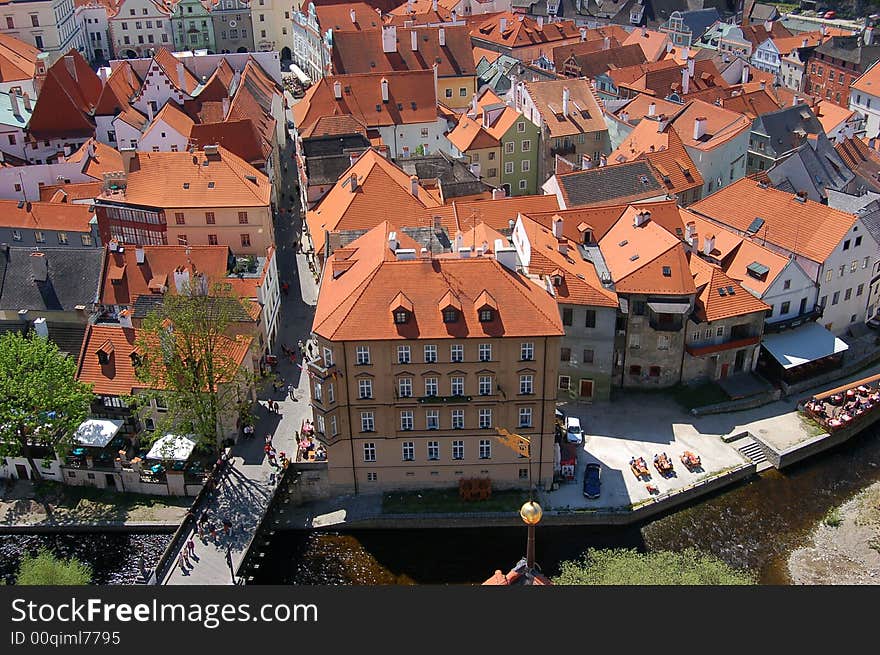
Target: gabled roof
{"x":851,"y":49}
{"x":666,"y":154}
{"x":333,"y":126}
{"x":751,"y":104}
{"x":383,"y":191}
{"x":66,"y":100}
{"x":661,"y":79}
{"x":181,"y":179}
{"x":219,"y":84}
{"x":639,"y":108}
{"x":239,"y":137}
{"x":711,"y":305}
{"x":411,"y":99}
{"x":788,"y":127}
{"x":652,"y":43}
{"x":831,"y":116}
{"x":522,"y":31}
{"x":337,"y":17}
{"x":59,"y":193}
{"x":172,"y":116}
{"x":169,"y":65}
{"x":807,"y":228}
{"x":72,"y":277}
{"x":362,"y":52}
{"x":465,"y":215}
{"x":357,"y":302}
{"x":721,"y":125}
{"x":584,"y":112}
{"x":756,"y":34}
{"x":121,"y":86}
{"x":45,"y":216}
{"x":580,"y":283}
{"x":470,"y":135}
{"x":97,"y":158}
{"x":593,"y":64}
{"x":253,"y":101}
{"x":869,"y":81}
{"x":562,"y":52}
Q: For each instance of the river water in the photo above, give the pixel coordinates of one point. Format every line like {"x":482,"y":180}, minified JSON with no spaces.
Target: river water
{"x":753,"y":526}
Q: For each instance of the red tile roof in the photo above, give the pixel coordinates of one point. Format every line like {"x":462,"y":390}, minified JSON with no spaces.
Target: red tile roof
{"x":338,"y":17}
{"x":358,"y":303}
{"x":665,"y":153}
{"x":18,"y":60}
{"x":66,"y":100}
{"x":523,"y":31}
{"x":97,"y":158}
{"x":239,"y":137}
{"x":709,"y":280}
{"x":169,"y":65}
{"x":808,"y":228}
{"x":71,"y":192}
{"x":584,"y":113}
{"x":121,"y":86}
{"x":45,"y":216}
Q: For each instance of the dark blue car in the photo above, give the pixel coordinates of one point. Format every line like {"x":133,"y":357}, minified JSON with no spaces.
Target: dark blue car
{"x":592,"y":480}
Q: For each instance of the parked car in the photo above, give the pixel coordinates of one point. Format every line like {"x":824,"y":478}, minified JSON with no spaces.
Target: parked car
{"x":592,"y":480}
{"x":830,"y":14}
{"x":573,"y":431}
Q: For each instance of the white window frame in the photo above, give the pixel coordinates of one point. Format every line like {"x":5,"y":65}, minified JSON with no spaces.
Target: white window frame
{"x":457,"y":419}
{"x":433,"y":450}
{"x":328,"y":357}
{"x":408,"y":451}
{"x":404,"y":354}
{"x":485,"y":385}
{"x":368,"y":422}
{"x":456,"y":352}
{"x":485,"y":449}
{"x":458,"y":449}
{"x":430,"y":354}
{"x":365,"y":388}
{"x":432,"y":419}
{"x":527,"y":413}
{"x":370,"y":451}
{"x":485,"y":352}
{"x":527,"y":383}
{"x":362,"y":353}
{"x":404,"y":387}
{"x":432,"y":384}
{"x":527,"y":351}
{"x":407,"y":422}
{"x":485,"y":418}
{"x":567,"y":386}
{"x":456,"y":385}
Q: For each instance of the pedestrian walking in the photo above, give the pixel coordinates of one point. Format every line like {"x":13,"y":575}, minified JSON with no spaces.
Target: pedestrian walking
{"x":213,"y":530}
{"x":181,"y":558}
{"x":191,"y":546}
{"x":227,"y":526}
{"x":300,"y":346}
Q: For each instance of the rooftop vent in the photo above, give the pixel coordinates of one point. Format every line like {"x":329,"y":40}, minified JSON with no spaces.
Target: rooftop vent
{"x":755,"y":225}
{"x":186,"y":185}
{"x":730,"y":291}
{"x":623,"y":243}
{"x":634,"y":258}
{"x":667,"y":271}
{"x":210,"y":185}
{"x":721,"y":291}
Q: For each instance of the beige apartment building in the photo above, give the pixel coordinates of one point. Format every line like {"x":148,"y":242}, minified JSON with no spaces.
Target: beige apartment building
{"x":417,"y":368}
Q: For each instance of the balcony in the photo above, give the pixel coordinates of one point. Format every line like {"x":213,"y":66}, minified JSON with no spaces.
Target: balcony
{"x":435,"y":400}
{"x":699,"y":351}
{"x":317,"y":367}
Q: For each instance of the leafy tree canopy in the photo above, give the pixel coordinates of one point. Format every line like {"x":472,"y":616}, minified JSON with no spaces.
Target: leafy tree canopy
{"x":629,"y":567}
{"x":41,"y":402}
{"x":46,"y":569}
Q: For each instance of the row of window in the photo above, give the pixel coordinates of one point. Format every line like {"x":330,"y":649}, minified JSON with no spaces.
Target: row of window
{"x":126,"y":40}
{"x":484,"y":420}
{"x":183,"y":240}
{"x":829,"y":275}
{"x":565,"y":356}
{"x":846,"y":296}
{"x":40,"y":237}
{"x":589,"y":318}
{"x":433,"y":450}
{"x":820,"y":72}
{"x":509,"y":149}
{"x":10,"y":21}
{"x":210,"y":219}
{"x":486,"y":386}
{"x":456,"y":353}
{"x":663,"y":341}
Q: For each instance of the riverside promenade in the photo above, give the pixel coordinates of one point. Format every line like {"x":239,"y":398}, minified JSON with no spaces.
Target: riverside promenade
{"x":248,"y":485}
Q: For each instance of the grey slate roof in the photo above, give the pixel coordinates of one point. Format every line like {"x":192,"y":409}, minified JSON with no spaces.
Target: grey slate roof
{"x":851,"y":49}
{"x":849,"y":203}
{"x":699,"y":21}
{"x":67,"y":336}
{"x":787,"y":127}
{"x":812,"y":170}
{"x":454,"y":177}
{"x":72,"y":279}
{"x":327,"y":157}
{"x":146,"y":303}
{"x":609,"y":183}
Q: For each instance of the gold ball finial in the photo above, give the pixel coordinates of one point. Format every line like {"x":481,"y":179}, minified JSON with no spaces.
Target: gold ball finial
{"x":531,"y":513}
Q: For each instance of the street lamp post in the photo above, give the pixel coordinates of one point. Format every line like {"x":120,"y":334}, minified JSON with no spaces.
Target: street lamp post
{"x":531,"y":514}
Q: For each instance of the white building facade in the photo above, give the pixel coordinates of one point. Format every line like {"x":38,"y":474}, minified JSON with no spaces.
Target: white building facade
{"x":49,"y":25}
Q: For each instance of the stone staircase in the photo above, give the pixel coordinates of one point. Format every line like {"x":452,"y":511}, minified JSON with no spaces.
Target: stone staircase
{"x":753,"y":450}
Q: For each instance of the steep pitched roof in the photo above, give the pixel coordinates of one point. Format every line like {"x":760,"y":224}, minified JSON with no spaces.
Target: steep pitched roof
{"x":652,"y":43}
{"x":18,"y":60}
{"x":362,"y":52}
{"x":584,"y":112}
{"x":616,"y":183}
{"x":120,"y":88}
{"x":97,"y":158}
{"x":721,"y":125}
{"x":358,"y":301}
{"x":711,"y":305}
{"x":72,"y":278}
{"x":172,"y":116}
{"x":66,"y":100}
{"x":666,"y":154}
{"x":181,"y":179}
{"x":465,"y":215}
{"x":169,"y":65}
{"x":807,"y":228}
{"x":337,"y":17}
{"x":521,"y":31}
{"x":869,"y":81}
{"x":383,"y":191}
{"x":593,"y":64}
{"x":562,"y":52}
{"x":239,"y":137}
{"x":751,"y":103}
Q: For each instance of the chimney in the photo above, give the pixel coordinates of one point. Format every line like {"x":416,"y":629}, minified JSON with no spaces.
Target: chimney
{"x":540,"y":22}
{"x":150,"y":112}
{"x":685,"y":81}
{"x":434,"y":6}
{"x":102,"y":73}
{"x":405,"y":254}
{"x":690,"y":65}
{"x":768,"y":25}
{"x":502,"y":24}
{"x":745,"y":74}
{"x":27,"y":102}
{"x":557,"y":226}
{"x":709,"y":245}
{"x":39,"y":266}
{"x":763,"y":85}
{"x":464,"y":253}
{"x":566,"y":94}
{"x":414,"y":185}
{"x":181,"y":279}
{"x":225,"y":107}
{"x":70,"y":64}
{"x":497,"y":193}
{"x":796,"y":100}
{"x":669,"y":47}
{"x":459,"y":240}
{"x":337,"y":90}
{"x":586,"y":162}
{"x":699,"y":127}
{"x":41,"y":328}
{"x":353,"y":15}
{"x":624,"y":116}
{"x":353,"y":182}
{"x":393,"y":243}
{"x":805,"y":42}
{"x":414,"y":39}
{"x":125,"y":318}
{"x":441,"y":35}
{"x":384,"y":84}
{"x":641,"y":218}
{"x":353,"y":157}
{"x":689,"y":230}
{"x":869,"y":35}
{"x":583,"y":34}
{"x":454,"y":15}
{"x":180,"y":77}
{"x":13,"y":98}
{"x":139,"y":254}
{"x":652,"y":109}
{"x":505,"y":255}
{"x":389,"y":38}
{"x":685,"y":53}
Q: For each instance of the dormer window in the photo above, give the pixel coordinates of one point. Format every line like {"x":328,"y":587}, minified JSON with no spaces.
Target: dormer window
{"x":401,"y":308}
{"x":450,"y":315}
{"x":104,"y":352}
{"x":103,"y":357}
{"x":450,"y":307}
{"x":486,"y":315}
{"x":486,"y":307}
{"x":401,"y":316}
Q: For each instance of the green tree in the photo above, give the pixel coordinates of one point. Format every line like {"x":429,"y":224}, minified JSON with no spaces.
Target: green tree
{"x":188,"y":360}
{"x":46,"y":569}
{"x":629,"y":567}
{"x":41,"y":402}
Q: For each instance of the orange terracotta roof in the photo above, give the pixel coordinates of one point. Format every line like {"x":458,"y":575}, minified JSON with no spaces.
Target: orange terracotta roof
{"x":470,"y":135}
{"x":665,"y":153}
{"x":751,"y":104}
{"x":46,"y":216}
{"x":356,"y":303}
{"x":490,"y":55}
{"x":523,"y":31}
{"x":122,"y":84}
{"x":333,"y":125}
{"x":831,"y":115}
{"x":71,"y":192}
{"x":65,"y":103}
{"x":562,"y":52}
{"x":807,"y":228}
{"x":171,"y":179}
{"x":171,"y":115}
{"x":496,"y":214}
{"x":97,"y":158}
{"x":169,"y":65}
{"x":639,"y":106}
{"x":118,"y":377}
{"x":337,"y":17}
{"x":362,"y":52}
{"x":383,"y":191}
{"x":482,"y":235}
{"x":869,"y":81}
{"x":748,"y":252}
{"x":709,"y":279}
{"x":412,"y":99}
{"x":580,"y":284}
{"x":239,"y":137}
{"x":217,"y":86}
{"x":637,"y":256}
{"x":253,"y":101}
{"x":661,"y":79}
{"x":721,"y":124}
{"x":584,"y":113}
{"x":652,"y":43}
{"x":18,"y":60}
{"x":756,"y":33}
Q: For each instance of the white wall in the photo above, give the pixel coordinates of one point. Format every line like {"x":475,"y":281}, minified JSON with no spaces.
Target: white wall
{"x":397,"y":137}
{"x":800,"y":286}
{"x":29,"y":178}
{"x":153,"y":137}
{"x":159,"y":30}
{"x":868,"y":106}
{"x":8,"y":468}
{"x":95,"y":27}
{"x":717,"y":162}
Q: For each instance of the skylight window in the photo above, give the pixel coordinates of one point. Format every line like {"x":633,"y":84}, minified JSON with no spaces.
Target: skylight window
{"x":667,"y":271}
